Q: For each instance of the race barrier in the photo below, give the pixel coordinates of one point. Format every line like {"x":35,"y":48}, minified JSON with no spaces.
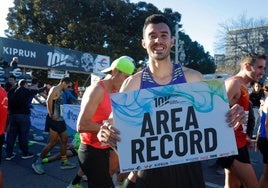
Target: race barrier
{"x":70,"y":111}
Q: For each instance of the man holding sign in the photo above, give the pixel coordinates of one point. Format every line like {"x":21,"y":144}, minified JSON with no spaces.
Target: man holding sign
{"x":157,"y":40}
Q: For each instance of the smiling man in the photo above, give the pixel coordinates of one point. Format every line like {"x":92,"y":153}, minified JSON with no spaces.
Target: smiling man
{"x":238,"y":169}
{"x":161,"y":71}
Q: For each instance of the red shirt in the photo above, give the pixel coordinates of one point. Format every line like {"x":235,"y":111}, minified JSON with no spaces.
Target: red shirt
{"x":3,"y":110}
{"x":102,"y":113}
{"x":244,"y":102}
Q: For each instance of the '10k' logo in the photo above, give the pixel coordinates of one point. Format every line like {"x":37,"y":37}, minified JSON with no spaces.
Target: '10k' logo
{"x":161,"y":101}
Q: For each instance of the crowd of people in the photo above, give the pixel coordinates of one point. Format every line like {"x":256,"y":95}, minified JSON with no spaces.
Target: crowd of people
{"x":16,"y":104}
{"x":98,"y":137}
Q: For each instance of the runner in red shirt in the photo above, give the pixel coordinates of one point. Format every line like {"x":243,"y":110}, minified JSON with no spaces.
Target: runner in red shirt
{"x":238,"y":169}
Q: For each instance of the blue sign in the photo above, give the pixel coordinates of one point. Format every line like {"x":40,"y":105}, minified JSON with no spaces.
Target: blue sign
{"x":43,"y":56}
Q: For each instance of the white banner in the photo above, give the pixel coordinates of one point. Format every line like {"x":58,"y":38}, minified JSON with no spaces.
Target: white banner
{"x":173,"y":124}
{"x":39,"y":113}
{"x":38,"y":116}
{"x":70,"y":115}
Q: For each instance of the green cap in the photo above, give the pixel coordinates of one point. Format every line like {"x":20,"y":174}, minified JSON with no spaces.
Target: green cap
{"x":124,"y":64}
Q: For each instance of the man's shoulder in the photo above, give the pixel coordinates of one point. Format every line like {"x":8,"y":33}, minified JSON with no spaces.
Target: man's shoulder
{"x":192,"y":75}
{"x":55,"y":89}
{"x":233,"y":89}
{"x":234,"y":80}
{"x":96,"y":88}
{"x":132,"y":82}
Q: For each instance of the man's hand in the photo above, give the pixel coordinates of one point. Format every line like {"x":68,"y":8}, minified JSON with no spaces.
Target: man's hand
{"x":108,"y":135}
{"x":236,"y":116}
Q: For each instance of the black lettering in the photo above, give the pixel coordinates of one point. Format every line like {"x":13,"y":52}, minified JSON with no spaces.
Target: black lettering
{"x":195,"y":141}
{"x":163,"y":153}
{"x":175,"y":119}
{"x":151,"y":148}
{"x":191,"y":119}
{"x":161,"y":101}
{"x":137,"y":146}
{"x":181,"y":141}
{"x":147,"y":126}
{"x":210,"y":134}
{"x":155,"y":102}
{"x":161,"y":121}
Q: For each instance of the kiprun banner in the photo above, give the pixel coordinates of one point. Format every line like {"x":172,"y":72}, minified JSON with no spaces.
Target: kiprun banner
{"x":44,"y":56}
{"x":172,"y":124}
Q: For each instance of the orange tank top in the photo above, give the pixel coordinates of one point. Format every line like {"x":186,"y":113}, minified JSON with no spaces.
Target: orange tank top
{"x":102,"y":113}
{"x":243,"y":101}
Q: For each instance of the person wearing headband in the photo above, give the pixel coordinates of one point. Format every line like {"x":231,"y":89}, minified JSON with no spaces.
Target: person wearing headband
{"x":95,"y":110}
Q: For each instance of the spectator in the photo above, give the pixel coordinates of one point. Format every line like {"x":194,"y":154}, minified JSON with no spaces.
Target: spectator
{"x":56,"y":126}
{"x":256,"y":96}
{"x":19,"y":119}
{"x":11,"y":83}
{"x":69,"y":97}
{"x":34,"y":86}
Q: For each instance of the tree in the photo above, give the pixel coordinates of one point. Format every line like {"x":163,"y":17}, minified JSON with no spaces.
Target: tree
{"x":99,"y":26}
{"x":241,"y":36}
{"x":108,"y":27}
{"x":196,"y":58}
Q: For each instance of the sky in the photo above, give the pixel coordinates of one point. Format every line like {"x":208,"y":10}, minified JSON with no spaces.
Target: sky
{"x":200,"y":19}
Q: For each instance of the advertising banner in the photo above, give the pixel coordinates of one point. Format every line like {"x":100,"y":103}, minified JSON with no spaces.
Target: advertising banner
{"x":51,"y":57}
{"x":172,"y":124}
{"x":70,"y":114}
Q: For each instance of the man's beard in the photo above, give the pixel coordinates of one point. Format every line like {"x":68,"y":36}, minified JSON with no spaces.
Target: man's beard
{"x":160,"y":57}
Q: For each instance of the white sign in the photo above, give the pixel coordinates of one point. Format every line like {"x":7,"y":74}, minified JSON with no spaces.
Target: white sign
{"x":70,"y":114}
{"x":101,"y":62}
{"x":173,"y":124}
{"x":57,"y":74}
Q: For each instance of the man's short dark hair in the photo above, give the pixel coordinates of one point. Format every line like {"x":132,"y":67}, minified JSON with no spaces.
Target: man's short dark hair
{"x":12,"y":76}
{"x":67,"y":80}
{"x":156,"y":19}
{"x":252,"y":58}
